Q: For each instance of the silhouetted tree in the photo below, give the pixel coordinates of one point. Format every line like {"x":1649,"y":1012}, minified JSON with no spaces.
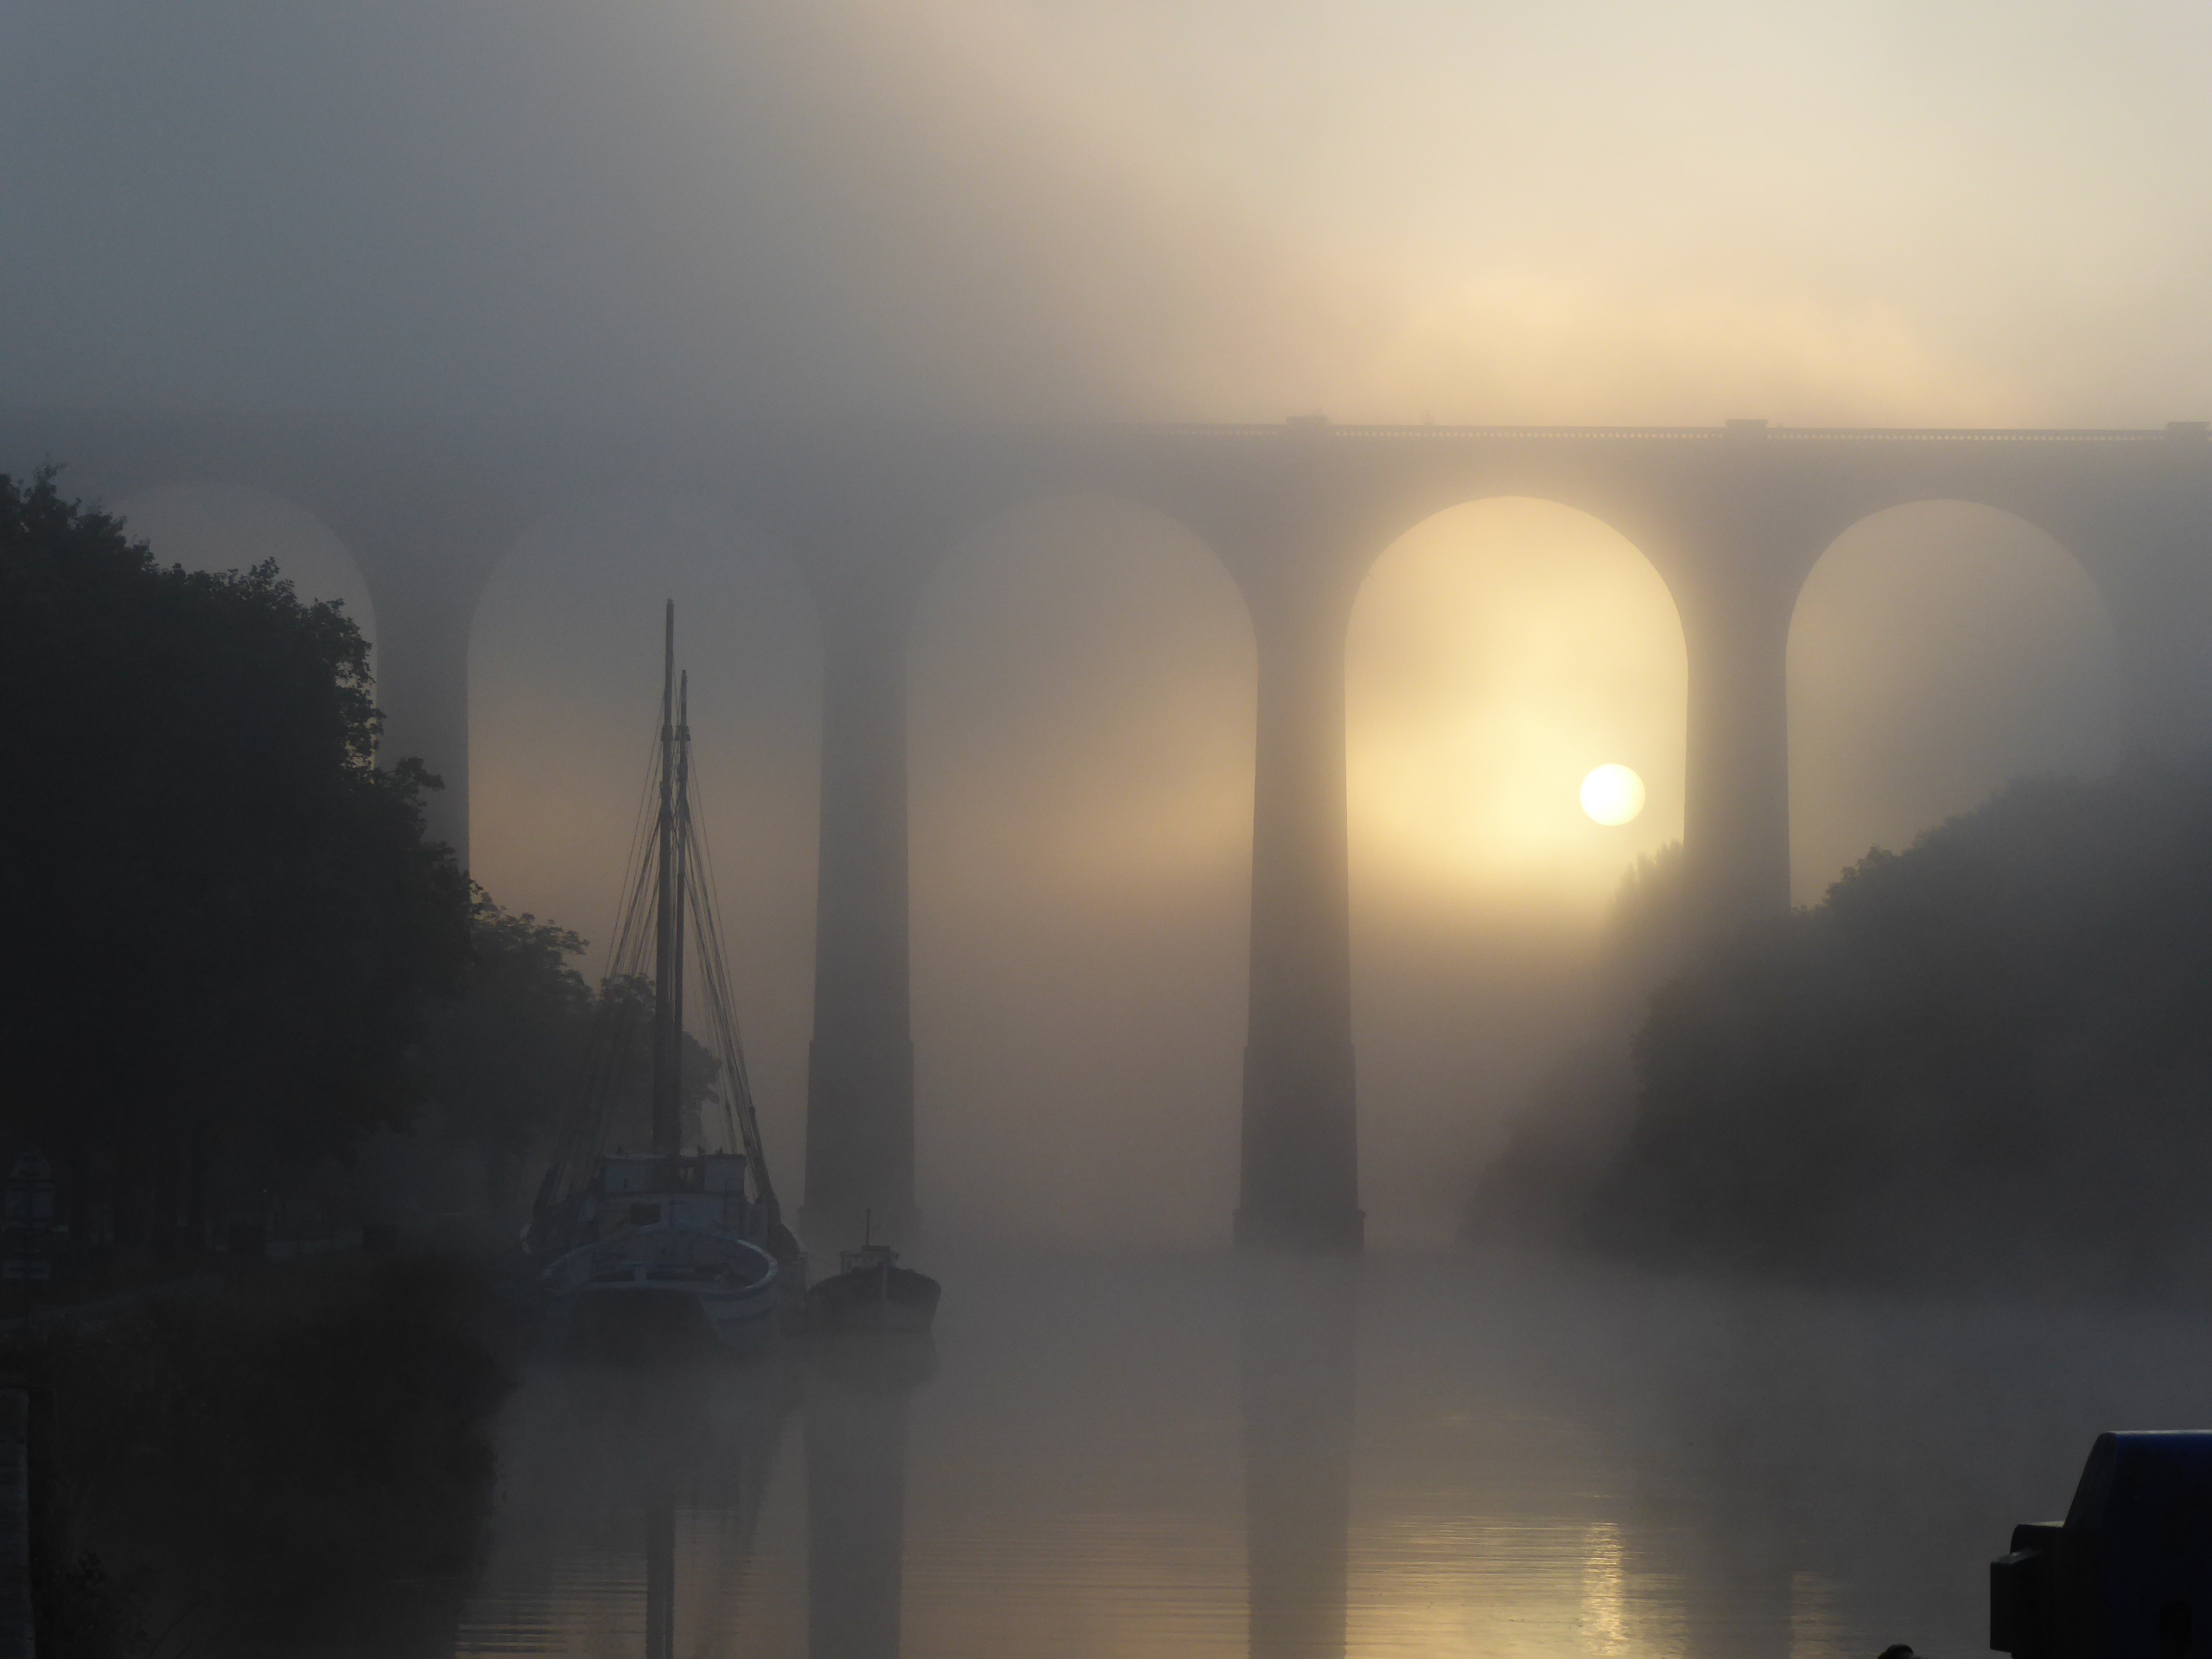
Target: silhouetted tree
{"x":1990,"y":1055}
{"x":222,"y":920}
{"x":501,"y":1060}
{"x":514,"y":1055}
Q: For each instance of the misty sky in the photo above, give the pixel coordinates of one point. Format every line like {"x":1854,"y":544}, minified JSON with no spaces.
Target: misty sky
{"x":1884,"y":212}
{"x":1570,"y":212}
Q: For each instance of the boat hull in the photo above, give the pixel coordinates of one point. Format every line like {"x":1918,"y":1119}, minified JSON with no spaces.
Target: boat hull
{"x":667,"y":1285}
{"x":876,"y":1298}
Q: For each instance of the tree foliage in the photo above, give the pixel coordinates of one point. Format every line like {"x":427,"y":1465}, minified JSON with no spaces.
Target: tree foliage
{"x":509,"y":1061}
{"x":223,"y":919}
{"x":1988,"y":1056}
{"x":502,"y":1058}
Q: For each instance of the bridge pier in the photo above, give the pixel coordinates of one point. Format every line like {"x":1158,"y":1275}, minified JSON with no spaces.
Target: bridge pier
{"x":860,"y":1086}
{"x":2149,"y":555}
{"x":1298,"y":1177}
{"x":1736,"y":759}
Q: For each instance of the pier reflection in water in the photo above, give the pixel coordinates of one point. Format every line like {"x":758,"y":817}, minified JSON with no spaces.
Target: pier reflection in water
{"x":630,"y":1506}
{"x":857,"y":1388}
{"x":1299,"y":1325}
{"x":1220,"y":1459}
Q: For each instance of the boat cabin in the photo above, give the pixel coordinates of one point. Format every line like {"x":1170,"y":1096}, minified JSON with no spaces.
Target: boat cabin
{"x":623,"y":1173}
{"x":869,"y":1258}
{"x":629,"y":1190}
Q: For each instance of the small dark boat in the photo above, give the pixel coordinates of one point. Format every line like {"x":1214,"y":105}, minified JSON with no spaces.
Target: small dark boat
{"x":872,"y":1292}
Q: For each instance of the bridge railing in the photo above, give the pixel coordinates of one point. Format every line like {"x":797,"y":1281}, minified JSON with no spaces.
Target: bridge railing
{"x":2185,"y":430}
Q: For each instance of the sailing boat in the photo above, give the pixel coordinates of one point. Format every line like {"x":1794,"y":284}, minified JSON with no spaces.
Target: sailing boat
{"x":663,"y":1239}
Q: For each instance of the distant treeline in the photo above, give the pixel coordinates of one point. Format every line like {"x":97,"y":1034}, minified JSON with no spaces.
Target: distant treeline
{"x":233,"y":958}
{"x":1987,"y":1058}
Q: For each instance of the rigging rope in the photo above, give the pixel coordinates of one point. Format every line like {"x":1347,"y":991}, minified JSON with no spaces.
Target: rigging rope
{"x":620,"y":1014}
{"x":722,"y":1004}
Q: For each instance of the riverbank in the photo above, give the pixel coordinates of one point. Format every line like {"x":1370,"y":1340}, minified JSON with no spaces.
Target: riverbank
{"x":298,"y":1461}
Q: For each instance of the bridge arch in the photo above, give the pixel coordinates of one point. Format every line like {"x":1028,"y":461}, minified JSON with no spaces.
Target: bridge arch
{"x":1938,"y":648}
{"x":564,"y":654}
{"x":1081,"y":708}
{"x":1497,"y":651}
{"x":214,"y":524}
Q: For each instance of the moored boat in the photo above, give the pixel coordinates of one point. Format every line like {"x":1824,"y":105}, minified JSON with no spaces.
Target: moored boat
{"x":662,"y":1248}
{"x":633,"y":1249}
{"x":872,"y":1292}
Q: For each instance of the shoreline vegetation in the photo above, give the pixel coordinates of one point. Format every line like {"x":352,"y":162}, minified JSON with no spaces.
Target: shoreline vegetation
{"x":236,"y":925}
{"x":296,"y":1461}
{"x":268,"y":1017}
{"x":281,"y":1076}
{"x":1984,"y":1062}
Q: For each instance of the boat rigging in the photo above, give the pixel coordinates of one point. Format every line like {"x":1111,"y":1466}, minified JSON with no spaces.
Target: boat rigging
{"x":666,"y":1236}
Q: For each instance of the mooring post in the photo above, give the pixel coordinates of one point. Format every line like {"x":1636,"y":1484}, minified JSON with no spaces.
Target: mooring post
{"x":17,"y":1640}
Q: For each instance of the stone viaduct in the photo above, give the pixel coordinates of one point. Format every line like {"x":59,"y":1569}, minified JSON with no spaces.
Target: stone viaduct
{"x":1732,"y":517}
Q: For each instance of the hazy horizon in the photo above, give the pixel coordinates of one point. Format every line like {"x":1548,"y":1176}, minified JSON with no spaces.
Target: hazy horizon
{"x":1032,"y":208}
{"x":1080,"y":732}
{"x":1987,"y":214}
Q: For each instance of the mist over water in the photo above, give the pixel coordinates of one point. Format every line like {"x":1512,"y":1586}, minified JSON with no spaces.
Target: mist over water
{"x":1179,"y":1454}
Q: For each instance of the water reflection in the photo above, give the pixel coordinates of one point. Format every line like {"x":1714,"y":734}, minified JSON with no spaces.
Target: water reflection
{"x":1216,"y":1459}
{"x":857,"y":1390}
{"x":631,"y":1499}
{"x":1298,"y":1323}
{"x":660,"y":1576}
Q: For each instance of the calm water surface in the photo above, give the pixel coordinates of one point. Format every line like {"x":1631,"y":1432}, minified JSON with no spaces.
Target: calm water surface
{"x":1208,"y":1458}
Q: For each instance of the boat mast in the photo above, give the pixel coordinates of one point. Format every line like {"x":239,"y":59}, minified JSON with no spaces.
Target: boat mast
{"x":679,"y":918}
{"x":667,"y":926}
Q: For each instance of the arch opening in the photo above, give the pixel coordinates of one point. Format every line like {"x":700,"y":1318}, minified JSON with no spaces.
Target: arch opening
{"x":1938,"y":650}
{"x":218,"y":526}
{"x":564,"y":672}
{"x":1082,"y":704}
{"x":1499,"y":653}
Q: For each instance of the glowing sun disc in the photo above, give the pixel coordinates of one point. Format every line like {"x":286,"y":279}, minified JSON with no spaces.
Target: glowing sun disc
{"x":1613,"y":794}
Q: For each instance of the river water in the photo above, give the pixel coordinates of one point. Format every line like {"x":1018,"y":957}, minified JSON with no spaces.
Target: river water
{"x":1201,"y":1456}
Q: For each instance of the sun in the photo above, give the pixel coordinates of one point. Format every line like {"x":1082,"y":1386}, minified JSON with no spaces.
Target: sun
{"x":1613,"y":794}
